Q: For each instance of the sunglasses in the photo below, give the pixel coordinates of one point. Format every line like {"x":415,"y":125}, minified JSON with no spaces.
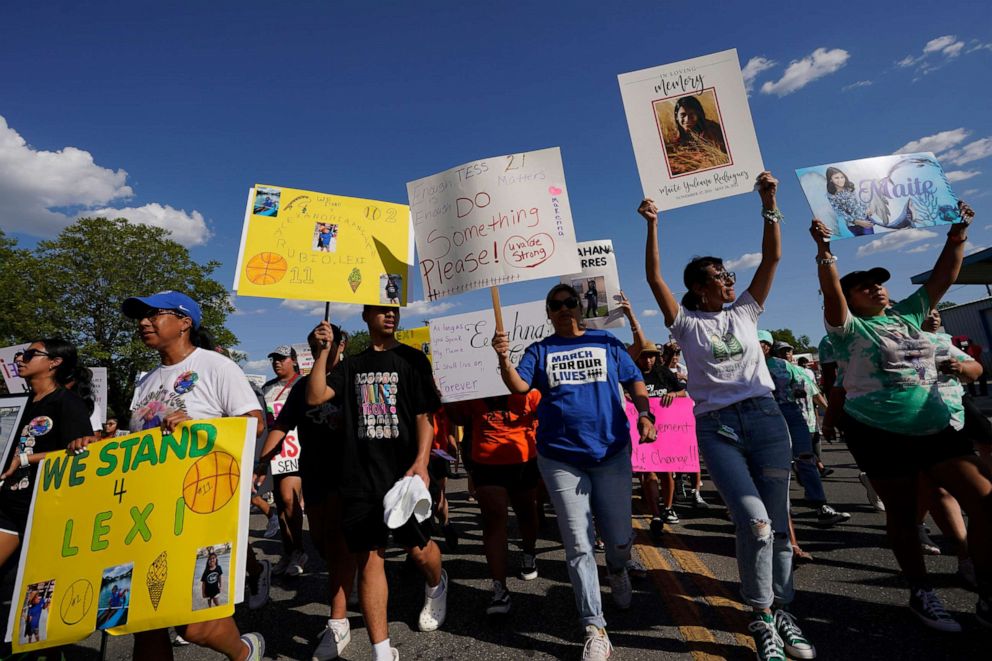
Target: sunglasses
{"x":151,"y":313}
{"x":726,"y":276}
{"x":29,"y":354}
{"x":571,"y":303}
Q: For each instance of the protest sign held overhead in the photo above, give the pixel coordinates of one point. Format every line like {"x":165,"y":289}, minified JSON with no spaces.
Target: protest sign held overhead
{"x":598,"y":285}
{"x":465,"y":366}
{"x":691,"y":128}
{"x":876,"y":195}
{"x":313,"y":246}
{"x":139,"y":532}
{"x":493,"y":221}
{"x":675,"y":450}
{"x":99,"y":385}
{"x":15,"y":384}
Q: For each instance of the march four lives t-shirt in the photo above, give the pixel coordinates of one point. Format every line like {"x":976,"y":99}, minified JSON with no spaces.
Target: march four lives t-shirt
{"x":204,"y":385}
{"x":722,"y":354}
{"x":582,"y":417}
{"x":382,"y":392}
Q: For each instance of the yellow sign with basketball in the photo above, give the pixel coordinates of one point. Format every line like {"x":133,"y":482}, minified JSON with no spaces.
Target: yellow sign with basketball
{"x":318,"y":247}
{"x":138,"y":532}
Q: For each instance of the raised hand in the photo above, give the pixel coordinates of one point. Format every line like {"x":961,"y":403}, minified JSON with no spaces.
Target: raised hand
{"x":648,"y":210}
{"x":820,"y":233}
{"x":767,"y":187}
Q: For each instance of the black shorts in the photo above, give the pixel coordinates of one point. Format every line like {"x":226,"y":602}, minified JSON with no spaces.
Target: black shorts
{"x":13,"y":520}
{"x":976,"y":426}
{"x":365,"y":528}
{"x":884,"y":454}
{"x":512,"y":477}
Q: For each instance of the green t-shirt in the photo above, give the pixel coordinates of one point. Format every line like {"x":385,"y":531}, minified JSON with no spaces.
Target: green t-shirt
{"x":890,"y":373}
{"x":794,"y":385}
{"x":950,"y":387}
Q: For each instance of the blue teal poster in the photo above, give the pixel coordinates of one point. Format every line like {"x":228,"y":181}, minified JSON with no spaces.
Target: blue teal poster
{"x":882,"y":194}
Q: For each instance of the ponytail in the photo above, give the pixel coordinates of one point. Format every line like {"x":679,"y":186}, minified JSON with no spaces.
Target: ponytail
{"x":69,"y":373}
{"x":202,"y":339}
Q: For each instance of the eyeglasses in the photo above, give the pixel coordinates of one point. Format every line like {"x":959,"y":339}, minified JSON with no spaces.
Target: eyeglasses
{"x":152,"y":313}
{"x":726,"y":276}
{"x":571,"y":303}
{"x":29,"y":354}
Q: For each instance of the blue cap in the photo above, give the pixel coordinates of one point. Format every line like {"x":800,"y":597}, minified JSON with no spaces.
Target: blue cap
{"x":764,"y":336}
{"x":137,"y":306}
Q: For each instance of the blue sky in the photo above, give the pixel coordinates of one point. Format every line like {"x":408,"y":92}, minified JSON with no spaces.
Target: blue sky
{"x":171,"y":111}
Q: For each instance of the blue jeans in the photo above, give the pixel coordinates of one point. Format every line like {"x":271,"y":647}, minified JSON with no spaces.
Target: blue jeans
{"x":751,"y":472}
{"x":802,"y":453}
{"x":578,"y":495}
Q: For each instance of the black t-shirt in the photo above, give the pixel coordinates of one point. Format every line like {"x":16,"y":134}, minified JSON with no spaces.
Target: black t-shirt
{"x":212,"y":579}
{"x":49,"y":424}
{"x":319,"y":431}
{"x":382,"y":393}
{"x":661,"y":380}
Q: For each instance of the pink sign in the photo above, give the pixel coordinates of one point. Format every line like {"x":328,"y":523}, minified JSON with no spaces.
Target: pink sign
{"x":675,"y":450}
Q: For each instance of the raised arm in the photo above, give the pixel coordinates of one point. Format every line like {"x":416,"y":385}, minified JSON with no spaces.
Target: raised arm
{"x":512,"y":380}
{"x":771,"y":239}
{"x":635,"y":347}
{"x":318,"y":391}
{"x":834,"y":303}
{"x":948,"y":265}
{"x":652,"y":265}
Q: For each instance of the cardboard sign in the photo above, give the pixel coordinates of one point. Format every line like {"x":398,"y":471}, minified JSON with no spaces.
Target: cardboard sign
{"x":491,"y":222}
{"x":318,"y":247}
{"x":15,"y":384}
{"x":99,"y":415}
{"x":690,"y":124}
{"x":598,"y":285}
{"x":139,"y":532}
{"x":288,"y":459}
{"x":418,"y":338}
{"x":876,"y":195}
{"x":304,"y":357}
{"x":465,"y":365}
{"x":675,"y":450}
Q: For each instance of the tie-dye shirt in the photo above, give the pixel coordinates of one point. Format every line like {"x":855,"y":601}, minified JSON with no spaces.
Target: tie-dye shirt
{"x":950,"y":387}
{"x":890,"y":374}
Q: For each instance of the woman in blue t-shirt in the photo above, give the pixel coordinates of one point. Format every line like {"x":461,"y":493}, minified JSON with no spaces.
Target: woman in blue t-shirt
{"x":583,"y":447}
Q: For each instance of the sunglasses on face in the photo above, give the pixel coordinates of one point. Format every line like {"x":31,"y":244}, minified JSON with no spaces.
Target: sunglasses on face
{"x":571,"y":303}
{"x":29,"y":354}
{"x":726,"y":276}
{"x":152,"y":314}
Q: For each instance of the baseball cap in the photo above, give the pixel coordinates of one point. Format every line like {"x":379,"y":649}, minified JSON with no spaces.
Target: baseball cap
{"x":875,"y":276}
{"x":765,"y":336}
{"x":778,"y":346}
{"x":137,"y":306}
{"x":282,"y":351}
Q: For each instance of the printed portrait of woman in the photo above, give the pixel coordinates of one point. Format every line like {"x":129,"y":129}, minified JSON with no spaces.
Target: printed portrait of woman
{"x":692,"y":134}
{"x":846,"y":204}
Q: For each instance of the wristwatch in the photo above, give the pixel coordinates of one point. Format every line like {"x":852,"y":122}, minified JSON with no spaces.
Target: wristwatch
{"x":646,"y":414}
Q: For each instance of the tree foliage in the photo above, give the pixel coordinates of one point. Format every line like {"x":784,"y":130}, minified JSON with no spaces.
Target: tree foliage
{"x":799,"y":344}
{"x":943,"y":305}
{"x":73,"y":287}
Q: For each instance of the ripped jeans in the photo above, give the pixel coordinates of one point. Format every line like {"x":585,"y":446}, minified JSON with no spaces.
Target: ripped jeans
{"x":578,"y":495}
{"x":752,"y":473}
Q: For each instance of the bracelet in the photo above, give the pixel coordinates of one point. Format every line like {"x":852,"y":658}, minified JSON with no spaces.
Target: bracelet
{"x":824,"y":261}
{"x":956,"y":237}
{"x":24,"y":459}
{"x":772,"y":215}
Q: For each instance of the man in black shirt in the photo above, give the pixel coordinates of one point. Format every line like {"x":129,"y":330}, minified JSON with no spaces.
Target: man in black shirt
{"x":387,"y":398}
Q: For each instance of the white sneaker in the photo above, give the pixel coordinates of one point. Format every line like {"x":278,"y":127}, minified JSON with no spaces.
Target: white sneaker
{"x":333,"y":639}
{"x":255,"y":644}
{"x":598,"y":646}
{"x":272,"y":529}
{"x":435,"y":608}
{"x":260,"y":596}
{"x":297,"y":563}
{"x":870,"y":494}
{"x":621,"y":589}
{"x":282,"y":566}
{"x":179,"y":641}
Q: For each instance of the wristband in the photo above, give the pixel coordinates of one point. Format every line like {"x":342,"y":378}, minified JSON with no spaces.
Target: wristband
{"x":24,"y":459}
{"x":824,"y":261}
{"x":772,"y":215}
{"x":646,"y":414}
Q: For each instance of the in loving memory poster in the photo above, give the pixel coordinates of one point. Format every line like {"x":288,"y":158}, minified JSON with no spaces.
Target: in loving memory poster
{"x":691,"y":128}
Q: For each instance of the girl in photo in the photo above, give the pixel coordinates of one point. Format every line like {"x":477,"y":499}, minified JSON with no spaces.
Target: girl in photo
{"x":211,"y":581}
{"x":694,"y":127}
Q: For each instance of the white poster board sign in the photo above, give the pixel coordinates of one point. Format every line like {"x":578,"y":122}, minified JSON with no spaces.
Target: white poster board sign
{"x":691,"y":127}
{"x":491,"y":222}
{"x":304,"y":357}
{"x":99,"y":415}
{"x":15,"y":384}
{"x":598,"y":285}
{"x":465,"y":365}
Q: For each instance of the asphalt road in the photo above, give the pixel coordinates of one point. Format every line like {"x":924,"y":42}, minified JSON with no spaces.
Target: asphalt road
{"x":851,"y":601}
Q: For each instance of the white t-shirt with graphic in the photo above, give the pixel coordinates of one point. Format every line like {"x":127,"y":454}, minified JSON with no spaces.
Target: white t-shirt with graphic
{"x":204,"y":385}
{"x":722,"y":354}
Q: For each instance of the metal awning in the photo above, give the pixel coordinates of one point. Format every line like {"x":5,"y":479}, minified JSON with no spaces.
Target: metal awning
{"x":976,"y":269}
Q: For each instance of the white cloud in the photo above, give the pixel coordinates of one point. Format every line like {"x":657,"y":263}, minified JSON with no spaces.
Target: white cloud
{"x":37,"y":187}
{"x":937,"y":143}
{"x":896,"y":240}
{"x":970,"y":152}
{"x":936,"y":53}
{"x":799,"y":73}
{"x":753,"y":68}
{"x":920,"y":248}
{"x":339,"y":311}
{"x":971,"y":248}
{"x":860,"y":83}
{"x":650,"y":312}
{"x":948,"y":45}
{"x":255,"y":366}
{"x":745,"y":261}
{"x":961,"y":175}
{"x":427,"y":309}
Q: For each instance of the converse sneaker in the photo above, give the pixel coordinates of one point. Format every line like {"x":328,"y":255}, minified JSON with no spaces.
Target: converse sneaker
{"x":598,"y":646}
{"x":870,"y":494}
{"x":333,"y":639}
{"x":767,"y":642}
{"x":179,"y":641}
{"x":297,"y":563}
{"x":258,"y":587}
{"x":827,"y":516}
{"x":668,"y":515}
{"x":272,"y":529}
{"x":927,"y":545}
{"x":795,"y":644}
{"x":435,"y":608}
{"x":528,"y":567}
{"x":697,"y":500}
{"x":927,"y":606}
{"x":621,"y":588}
{"x":255,"y":644}
{"x":500,"y":603}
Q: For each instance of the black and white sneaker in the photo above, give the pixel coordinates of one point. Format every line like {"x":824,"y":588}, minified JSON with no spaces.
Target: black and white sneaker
{"x":500,"y":603}
{"x":528,"y":567}
{"x":795,"y":643}
{"x":669,"y":516}
{"x":928,"y":607}
{"x":827,"y":516}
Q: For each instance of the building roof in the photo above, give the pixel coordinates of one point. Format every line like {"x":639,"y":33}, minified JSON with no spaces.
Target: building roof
{"x":976,"y":269}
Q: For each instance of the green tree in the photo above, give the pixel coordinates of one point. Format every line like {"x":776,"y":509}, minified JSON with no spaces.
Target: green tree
{"x":84,"y":275}
{"x":943,"y":305}
{"x":800,"y":344}
{"x":25,"y":312}
{"x":358,"y":341}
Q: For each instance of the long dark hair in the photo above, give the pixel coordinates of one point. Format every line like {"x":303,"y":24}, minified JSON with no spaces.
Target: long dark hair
{"x":69,"y":373}
{"x":690,"y":103}
{"x":695,"y":273}
{"x":202,"y":338}
{"x":831,"y":189}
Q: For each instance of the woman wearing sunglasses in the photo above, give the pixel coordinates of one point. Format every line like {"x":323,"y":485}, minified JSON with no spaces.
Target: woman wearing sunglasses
{"x":54,"y":417}
{"x":741,"y":432}
{"x":583,"y":447}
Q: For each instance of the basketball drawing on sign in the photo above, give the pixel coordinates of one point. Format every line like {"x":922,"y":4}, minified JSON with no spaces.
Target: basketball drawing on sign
{"x":76,"y":602}
{"x":266,"y":268}
{"x":211,"y":482}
